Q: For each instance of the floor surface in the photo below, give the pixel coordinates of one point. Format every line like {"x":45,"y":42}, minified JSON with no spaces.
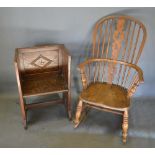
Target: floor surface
{"x":50,"y":127}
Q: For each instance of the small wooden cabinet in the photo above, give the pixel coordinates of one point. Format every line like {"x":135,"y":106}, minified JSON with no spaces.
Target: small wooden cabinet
{"x":43,"y":70}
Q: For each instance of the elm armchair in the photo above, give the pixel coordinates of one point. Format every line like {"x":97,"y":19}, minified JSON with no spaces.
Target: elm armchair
{"x":110,"y":75}
{"x":43,"y":70}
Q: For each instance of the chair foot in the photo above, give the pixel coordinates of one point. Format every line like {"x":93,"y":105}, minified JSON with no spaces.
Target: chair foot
{"x":81,"y":113}
{"x":78,"y":114}
{"x":84,"y":113}
{"x":125,"y":126}
{"x":76,"y":124}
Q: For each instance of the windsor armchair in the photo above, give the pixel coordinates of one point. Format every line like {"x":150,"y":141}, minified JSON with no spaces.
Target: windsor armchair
{"x":42,"y":70}
{"x":110,"y":75}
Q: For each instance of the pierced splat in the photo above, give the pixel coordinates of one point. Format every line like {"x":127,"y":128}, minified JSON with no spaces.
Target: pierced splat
{"x":118,"y":37}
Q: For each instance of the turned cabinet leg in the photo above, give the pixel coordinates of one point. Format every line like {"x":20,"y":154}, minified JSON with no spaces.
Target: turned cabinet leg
{"x":67,"y":101}
{"x":24,"y":113}
{"x":78,"y":114}
{"x":125,"y":126}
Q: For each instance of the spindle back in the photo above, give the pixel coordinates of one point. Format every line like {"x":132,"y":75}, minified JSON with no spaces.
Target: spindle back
{"x":119,"y":38}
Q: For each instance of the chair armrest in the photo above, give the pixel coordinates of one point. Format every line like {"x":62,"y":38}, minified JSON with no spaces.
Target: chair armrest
{"x":89,"y":61}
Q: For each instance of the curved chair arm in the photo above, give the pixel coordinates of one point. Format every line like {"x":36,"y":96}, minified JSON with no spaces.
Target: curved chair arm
{"x":134,"y":84}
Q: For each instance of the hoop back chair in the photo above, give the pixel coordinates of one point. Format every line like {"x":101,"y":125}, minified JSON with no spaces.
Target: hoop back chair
{"x":43,"y":70}
{"x":110,"y":75}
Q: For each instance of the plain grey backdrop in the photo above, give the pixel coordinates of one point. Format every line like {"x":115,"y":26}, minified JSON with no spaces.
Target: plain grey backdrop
{"x":26,"y":27}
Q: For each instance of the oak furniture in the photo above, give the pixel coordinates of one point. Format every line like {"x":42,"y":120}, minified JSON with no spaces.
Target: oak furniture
{"x":43,"y":70}
{"x":110,"y":75}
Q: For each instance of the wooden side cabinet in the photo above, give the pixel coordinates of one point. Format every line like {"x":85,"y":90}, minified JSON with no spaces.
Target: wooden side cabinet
{"x":43,"y":70}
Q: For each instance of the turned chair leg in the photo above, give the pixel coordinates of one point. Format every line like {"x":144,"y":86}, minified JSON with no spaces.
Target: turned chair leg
{"x":67,"y":100}
{"x":24,"y":114}
{"x":125,"y":126}
{"x":78,"y":114}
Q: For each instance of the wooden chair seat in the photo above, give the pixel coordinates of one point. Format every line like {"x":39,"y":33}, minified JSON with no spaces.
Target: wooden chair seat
{"x":106,"y":95}
{"x":43,"y":84}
